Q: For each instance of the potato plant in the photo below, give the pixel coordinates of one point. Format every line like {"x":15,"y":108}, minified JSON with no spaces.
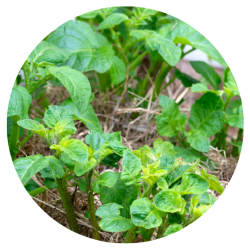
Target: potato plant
{"x":163,"y":188}
{"x":154,"y":190}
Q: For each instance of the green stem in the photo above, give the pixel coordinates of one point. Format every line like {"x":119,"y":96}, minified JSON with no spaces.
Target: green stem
{"x":26,"y":72}
{"x":235,"y":151}
{"x":92,"y":206}
{"x":26,"y":138}
{"x":137,"y":60}
{"x":130,"y":237}
{"x":160,"y":231}
{"x":67,"y":203}
{"x":14,"y":138}
{"x":150,"y":233}
{"x":38,"y":191}
{"x":163,"y":73}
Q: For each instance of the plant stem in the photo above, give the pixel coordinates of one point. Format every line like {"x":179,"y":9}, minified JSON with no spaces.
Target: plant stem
{"x":150,"y":233}
{"x":235,"y":151}
{"x":14,"y":138}
{"x":160,"y":229}
{"x":159,"y":80}
{"x":26,"y":138}
{"x":64,"y":194}
{"x":38,"y":191}
{"x":92,"y":206}
{"x":130,"y":237}
{"x":137,"y":60}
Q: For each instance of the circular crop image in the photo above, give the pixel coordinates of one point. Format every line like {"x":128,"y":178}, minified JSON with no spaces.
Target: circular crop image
{"x":125,"y":124}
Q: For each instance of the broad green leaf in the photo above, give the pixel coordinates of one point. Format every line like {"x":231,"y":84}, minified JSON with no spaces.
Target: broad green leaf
{"x":185,"y":79}
{"x":198,"y":140}
{"x":138,"y":35}
{"x":68,"y":162}
{"x":143,"y":13}
{"x":162,"y":148}
{"x":165,"y":47}
{"x":214,"y":183}
{"x":75,"y":149}
{"x":145,"y":214}
{"x":83,"y":167}
{"x":185,"y":34}
{"x":131,"y":167}
{"x":162,"y":184}
{"x":207,"y":114}
{"x":188,"y":154}
{"x":171,"y":118}
{"x":203,"y":88}
{"x":172,"y":229}
{"x":46,"y":52}
{"x":19,"y":102}
{"x":76,"y":83}
{"x":107,"y":11}
{"x":111,"y":209}
{"x":236,"y":119}
{"x":193,"y":184}
{"x":112,"y":20}
{"x":166,"y":162}
{"x":207,"y":72}
{"x":88,"y":117}
{"x":177,"y":173}
{"x":117,"y":71}
{"x":99,"y":59}
{"x":207,"y":199}
{"x":91,"y":14}
{"x":34,"y":126}
{"x":97,"y":138}
{"x":28,"y":166}
{"x":168,"y":201}
{"x":56,"y":166}
{"x":120,"y":194}
{"x":108,"y":179}
{"x":114,"y":224}
{"x":231,"y":85}
{"x":72,"y":36}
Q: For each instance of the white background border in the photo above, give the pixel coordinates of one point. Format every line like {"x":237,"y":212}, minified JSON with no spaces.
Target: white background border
{"x":24,"y":24}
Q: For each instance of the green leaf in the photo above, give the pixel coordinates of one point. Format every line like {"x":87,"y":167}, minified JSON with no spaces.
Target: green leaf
{"x":107,"y":179}
{"x":198,"y":140}
{"x":99,"y":59}
{"x":34,"y":126}
{"x":172,"y":229}
{"x":9,"y":128}
{"x":185,"y":79}
{"x":46,"y":52}
{"x":206,"y":114}
{"x":171,"y":118}
{"x":56,"y":166}
{"x":185,"y":34}
{"x":162,"y":148}
{"x":120,"y":194}
{"x":83,"y":167}
{"x":165,"y":47}
{"x":193,"y":184}
{"x":112,"y":20}
{"x":75,"y":149}
{"x":207,"y":199}
{"x":97,"y":138}
{"x":76,"y":83}
{"x":108,"y":210}
{"x":162,"y":184}
{"x":131,"y":167}
{"x":231,"y":85}
{"x":188,"y":154}
{"x":68,"y":162}
{"x":19,"y":102}
{"x":143,"y":13}
{"x":207,"y":72}
{"x":88,"y":117}
{"x":91,"y":14}
{"x":177,"y":173}
{"x":236,"y":119}
{"x":145,"y":214}
{"x":114,"y":224}
{"x":168,"y":201}
{"x":203,"y":88}
{"x":28,"y":166}
{"x":117,"y":71}
{"x":214,"y":183}
{"x":72,"y":36}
